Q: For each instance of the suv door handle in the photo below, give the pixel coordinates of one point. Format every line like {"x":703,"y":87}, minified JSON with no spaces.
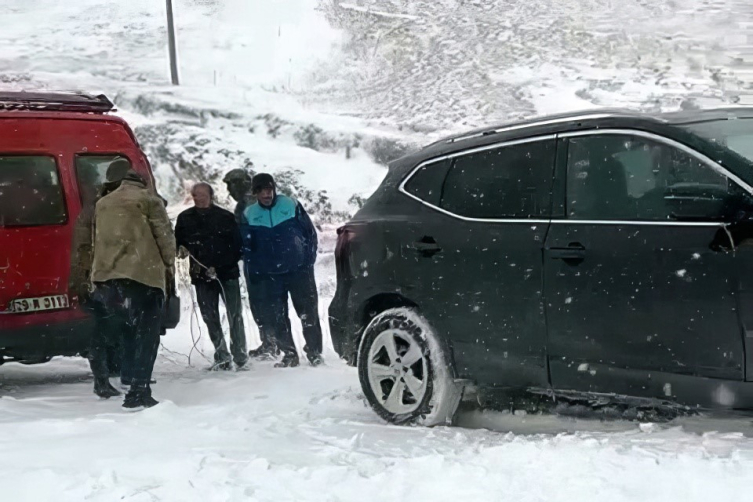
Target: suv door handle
{"x":573,"y":253}
{"x":426,"y":247}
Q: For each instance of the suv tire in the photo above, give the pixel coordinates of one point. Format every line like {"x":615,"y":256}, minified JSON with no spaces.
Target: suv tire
{"x":404,"y":372}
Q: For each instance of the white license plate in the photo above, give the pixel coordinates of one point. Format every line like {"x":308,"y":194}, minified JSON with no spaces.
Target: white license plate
{"x":42,"y":303}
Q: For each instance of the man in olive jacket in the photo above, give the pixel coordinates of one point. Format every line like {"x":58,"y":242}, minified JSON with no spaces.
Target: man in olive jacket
{"x":134,"y":247}
{"x":105,"y":350}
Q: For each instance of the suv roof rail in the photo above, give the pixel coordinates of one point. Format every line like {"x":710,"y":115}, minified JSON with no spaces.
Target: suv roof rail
{"x":55,"y":102}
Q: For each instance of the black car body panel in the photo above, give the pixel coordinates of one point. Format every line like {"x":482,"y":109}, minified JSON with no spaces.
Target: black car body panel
{"x":605,"y":278}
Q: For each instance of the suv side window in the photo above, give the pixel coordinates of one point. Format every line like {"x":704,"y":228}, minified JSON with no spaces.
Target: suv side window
{"x":632,"y":178}
{"x":426,"y":182}
{"x":513,"y":181}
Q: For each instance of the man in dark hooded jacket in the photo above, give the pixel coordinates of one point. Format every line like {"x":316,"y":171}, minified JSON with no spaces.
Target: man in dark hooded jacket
{"x":280,"y":246}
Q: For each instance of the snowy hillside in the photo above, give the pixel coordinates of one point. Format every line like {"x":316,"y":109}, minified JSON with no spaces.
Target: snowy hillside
{"x":366,"y":75}
{"x":458,"y":63}
{"x":234,"y":57}
{"x":323,"y":93}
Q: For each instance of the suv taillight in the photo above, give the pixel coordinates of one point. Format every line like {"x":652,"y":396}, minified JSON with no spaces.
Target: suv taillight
{"x":345,"y":236}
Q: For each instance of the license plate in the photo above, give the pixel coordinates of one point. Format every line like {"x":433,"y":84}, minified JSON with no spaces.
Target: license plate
{"x":42,"y":303}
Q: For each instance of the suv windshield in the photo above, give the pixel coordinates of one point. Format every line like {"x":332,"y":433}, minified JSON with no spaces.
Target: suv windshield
{"x":30,"y":192}
{"x":737,"y":134}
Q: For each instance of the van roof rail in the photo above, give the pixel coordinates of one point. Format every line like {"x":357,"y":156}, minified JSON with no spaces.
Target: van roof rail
{"x":55,"y":102}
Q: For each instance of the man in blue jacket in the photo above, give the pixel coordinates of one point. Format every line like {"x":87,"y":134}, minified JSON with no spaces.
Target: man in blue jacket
{"x":279,"y":251}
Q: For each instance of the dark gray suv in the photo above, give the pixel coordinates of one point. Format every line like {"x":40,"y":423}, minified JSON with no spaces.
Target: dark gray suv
{"x":603,"y":256}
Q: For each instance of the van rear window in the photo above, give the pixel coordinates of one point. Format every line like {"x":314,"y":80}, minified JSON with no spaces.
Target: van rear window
{"x":91,"y":172}
{"x":30,"y":191}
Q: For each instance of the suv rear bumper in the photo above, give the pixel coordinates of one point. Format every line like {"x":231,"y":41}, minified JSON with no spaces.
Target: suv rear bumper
{"x":340,"y":326}
{"x":37,"y":342}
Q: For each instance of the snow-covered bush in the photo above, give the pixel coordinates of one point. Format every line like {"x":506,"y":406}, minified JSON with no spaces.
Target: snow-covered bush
{"x":274,"y":124}
{"x":314,"y":137}
{"x":385,"y":150}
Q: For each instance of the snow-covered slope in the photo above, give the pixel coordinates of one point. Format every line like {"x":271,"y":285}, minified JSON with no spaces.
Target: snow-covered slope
{"x":239,"y":64}
{"x":458,"y":63}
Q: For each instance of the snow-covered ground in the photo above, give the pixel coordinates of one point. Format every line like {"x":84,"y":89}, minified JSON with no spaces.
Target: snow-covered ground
{"x":259,"y":77}
{"x":306,"y":434}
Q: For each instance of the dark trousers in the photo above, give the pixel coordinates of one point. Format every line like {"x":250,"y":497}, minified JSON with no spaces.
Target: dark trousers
{"x":266,"y":332}
{"x":270,"y":293}
{"x":137,"y":310}
{"x":208,"y":295}
{"x":106,"y":344}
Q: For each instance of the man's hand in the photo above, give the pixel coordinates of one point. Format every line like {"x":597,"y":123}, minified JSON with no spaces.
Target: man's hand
{"x":183,"y":253}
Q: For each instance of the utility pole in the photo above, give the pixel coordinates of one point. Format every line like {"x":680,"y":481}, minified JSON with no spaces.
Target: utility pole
{"x":171,"y":43}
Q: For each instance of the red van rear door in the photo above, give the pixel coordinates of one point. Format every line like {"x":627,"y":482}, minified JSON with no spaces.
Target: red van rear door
{"x":33,"y":218}
{"x":40,"y":200}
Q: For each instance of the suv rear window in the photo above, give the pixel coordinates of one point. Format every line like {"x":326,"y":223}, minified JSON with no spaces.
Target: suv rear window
{"x":30,"y":191}
{"x":426,"y":183}
{"x":91,"y":173}
{"x":513,"y":181}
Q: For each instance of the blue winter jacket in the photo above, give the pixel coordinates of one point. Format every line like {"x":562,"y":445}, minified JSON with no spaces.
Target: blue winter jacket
{"x":277,"y":239}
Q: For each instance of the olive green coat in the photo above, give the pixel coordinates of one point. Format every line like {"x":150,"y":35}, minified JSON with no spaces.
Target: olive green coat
{"x":133,"y":238}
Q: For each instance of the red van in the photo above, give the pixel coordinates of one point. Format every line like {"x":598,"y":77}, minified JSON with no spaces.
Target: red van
{"x":52,"y":147}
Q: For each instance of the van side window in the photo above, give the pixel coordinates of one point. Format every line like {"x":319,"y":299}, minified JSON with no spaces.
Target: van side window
{"x":30,"y":191}
{"x":426,"y":183}
{"x":91,"y":173}
{"x":512,"y":181}
{"x":632,"y":178}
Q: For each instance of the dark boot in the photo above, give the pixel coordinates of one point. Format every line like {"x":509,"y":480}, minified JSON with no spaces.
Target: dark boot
{"x":104,"y":389}
{"x":221,"y":366}
{"x":315,"y":359}
{"x":265,"y":353}
{"x":289,"y":361}
{"x":243,"y":367}
{"x":133,"y":401}
{"x":138,"y":399}
{"x":149,"y":401}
